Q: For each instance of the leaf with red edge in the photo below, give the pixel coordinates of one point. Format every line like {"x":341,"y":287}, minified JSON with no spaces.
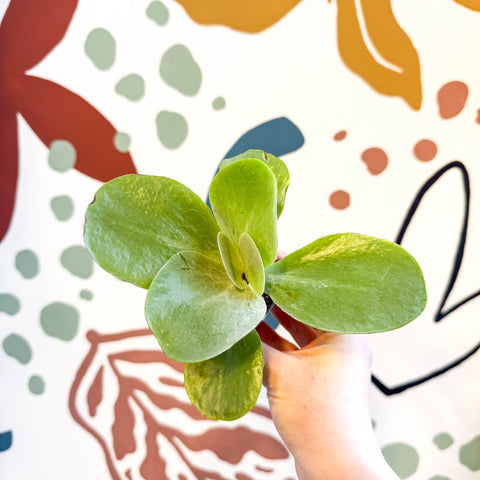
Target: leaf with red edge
{"x":55,"y":113}
{"x":172,"y":439}
{"x":8,"y":166}
{"x":30,"y":29}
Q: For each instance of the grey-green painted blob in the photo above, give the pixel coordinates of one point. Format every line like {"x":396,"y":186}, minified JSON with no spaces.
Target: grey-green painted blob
{"x":60,"y":320}
{"x":218,"y":103}
{"x":122,"y":141}
{"x":179,"y":70}
{"x":100,"y":48}
{"x":26,"y":262}
{"x":443,"y":440}
{"x":131,"y":86}
{"x":86,"y":294}
{"x":62,"y":155}
{"x":62,"y":207}
{"x":172,"y":129}
{"x":402,"y":458}
{"x":9,"y":304}
{"x":439,"y":477}
{"x":158,"y":12}
{"x":17,"y":347}
{"x":36,"y":384}
{"x":77,"y":261}
{"x":470,"y":454}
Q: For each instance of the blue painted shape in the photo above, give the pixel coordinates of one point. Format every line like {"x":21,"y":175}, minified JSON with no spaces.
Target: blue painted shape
{"x":5,"y":440}
{"x":278,"y":137}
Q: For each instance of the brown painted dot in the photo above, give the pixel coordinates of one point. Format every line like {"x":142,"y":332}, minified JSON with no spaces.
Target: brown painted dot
{"x":478,"y":116}
{"x":340,"y":199}
{"x":451,"y":99}
{"x":340,"y":135}
{"x":375,"y":159}
{"x":425,"y":150}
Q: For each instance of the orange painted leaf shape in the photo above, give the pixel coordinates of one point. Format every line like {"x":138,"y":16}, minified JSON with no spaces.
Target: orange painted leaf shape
{"x":373,"y":45}
{"x":471,"y":4}
{"x":251,"y":16}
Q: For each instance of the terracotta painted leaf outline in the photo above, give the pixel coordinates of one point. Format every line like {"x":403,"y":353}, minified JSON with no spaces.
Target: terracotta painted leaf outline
{"x":28,"y":32}
{"x":441,"y":312}
{"x":130,"y":397}
{"x":397,"y":71}
{"x":249,"y":16}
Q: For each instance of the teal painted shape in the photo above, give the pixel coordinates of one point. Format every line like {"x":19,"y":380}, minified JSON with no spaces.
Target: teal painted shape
{"x":6,"y":440}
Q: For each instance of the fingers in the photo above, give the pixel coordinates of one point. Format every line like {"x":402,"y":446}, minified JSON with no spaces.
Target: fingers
{"x":301,"y":333}
{"x":273,"y":339}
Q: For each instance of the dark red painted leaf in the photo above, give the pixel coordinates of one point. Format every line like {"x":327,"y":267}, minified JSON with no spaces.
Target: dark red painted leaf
{"x":8,"y":166}
{"x":30,"y":29}
{"x":55,"y":113}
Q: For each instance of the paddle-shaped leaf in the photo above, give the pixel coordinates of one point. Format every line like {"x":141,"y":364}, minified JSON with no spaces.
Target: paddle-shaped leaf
{"x":136,"y":223}
{"x":278,"y":168}
{"x":254,"y":272}
{"x":348,"y":283}
{"x":232,"y":260}
{"x":226,"y":387}
{"x":243,"y":197}
{"x":195,"y":311}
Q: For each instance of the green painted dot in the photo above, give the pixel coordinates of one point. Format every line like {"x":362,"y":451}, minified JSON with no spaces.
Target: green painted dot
{"x":62,"y":207}
{"x":172,"y":129}
{"x":131,"y":87}
{"x":439,"y":477}
{"x":36,"y":384}
{"x":26,"y":262}
{"x":100,"y":48}
{"x":86,"y":294}
{"x":158,"y":12}
{"x":470,"y":454}
{"x":9,"y":304}
{"x":62,"y":155}
{"x":122,"y":141}
{"x":17,"y":347}
{"x":179,"y":70}
{"x":402,"y":458}
{"x":442,"y":440}
{"x":218,"y":103}
{"x":78,"y":261}
{"x":60,"y":320}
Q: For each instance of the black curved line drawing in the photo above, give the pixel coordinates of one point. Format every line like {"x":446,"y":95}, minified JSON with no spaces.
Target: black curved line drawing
{"x":441,"y":313}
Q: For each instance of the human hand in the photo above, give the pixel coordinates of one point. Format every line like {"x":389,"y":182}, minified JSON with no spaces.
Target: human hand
{"x":318,"y":392}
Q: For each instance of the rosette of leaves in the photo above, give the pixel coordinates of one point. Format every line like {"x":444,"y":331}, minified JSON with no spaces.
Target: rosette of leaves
{"x":211,"y":273}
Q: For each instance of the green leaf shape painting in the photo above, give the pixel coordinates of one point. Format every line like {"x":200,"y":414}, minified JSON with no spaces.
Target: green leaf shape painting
{"x":211,"y":275}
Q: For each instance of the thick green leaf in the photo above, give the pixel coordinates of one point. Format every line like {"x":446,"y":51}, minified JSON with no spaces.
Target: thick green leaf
{"x":226,"y":387}
{"x":232,"y":260}
{"x":278,"y":168}
{"x":195,"y":311}
{"x":254,"y":272}
{"x":243,"y":199}
{"x":137,"y":222}
{"x":348,"y":283}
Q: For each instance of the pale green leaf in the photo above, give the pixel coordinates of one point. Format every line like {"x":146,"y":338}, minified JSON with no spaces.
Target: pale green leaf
{"x":243,"y":199}
{"x":137,"y":222}
{"x":232,"y":260}
{"x":278,"y":168}
{"x":195,"y":311}
{"x":348,"y":283}
{"x":254,"y":272}
{"x":226,"y":387}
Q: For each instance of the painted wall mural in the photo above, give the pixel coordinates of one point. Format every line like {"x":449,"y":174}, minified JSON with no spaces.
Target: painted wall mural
{"x":376,"y":111}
